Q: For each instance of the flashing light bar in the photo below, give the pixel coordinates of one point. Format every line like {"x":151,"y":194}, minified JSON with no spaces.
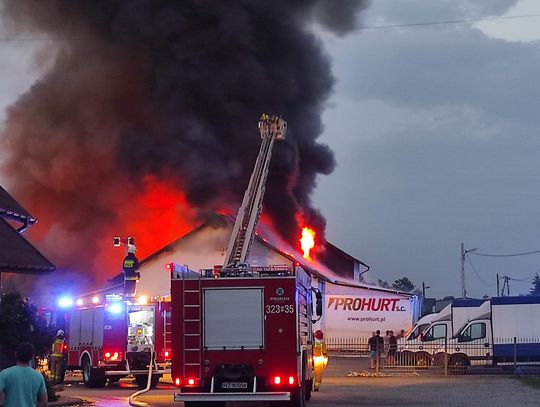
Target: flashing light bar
{"x":142,"y":300}
{"x":95,"y":300}
{"x":79,"y":302}
{"x":113,"y":297}
{"x":115,"y":308}
{"x":65,"y":302}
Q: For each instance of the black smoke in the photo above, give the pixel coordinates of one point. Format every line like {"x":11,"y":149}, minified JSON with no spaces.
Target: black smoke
{"x":174,"y":90}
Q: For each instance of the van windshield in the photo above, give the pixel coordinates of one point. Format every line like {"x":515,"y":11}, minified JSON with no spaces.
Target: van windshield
{"x":417,"y":331}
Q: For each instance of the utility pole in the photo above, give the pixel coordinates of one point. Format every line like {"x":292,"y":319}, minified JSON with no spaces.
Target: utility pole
{"x":497,"y":284}
{"x":463,"y":291}
{"x":424,"y":288}
{"x":463,"y":253}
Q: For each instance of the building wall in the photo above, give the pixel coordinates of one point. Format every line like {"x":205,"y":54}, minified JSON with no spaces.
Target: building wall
{"x":202,"y":249}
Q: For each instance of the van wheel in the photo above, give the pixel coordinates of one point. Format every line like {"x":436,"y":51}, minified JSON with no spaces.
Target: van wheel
{"x":458,"y":363}
{"x":422,"y":361}
{"x":92,"y":377}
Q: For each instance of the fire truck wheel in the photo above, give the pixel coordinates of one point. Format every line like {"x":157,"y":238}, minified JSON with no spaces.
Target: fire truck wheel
{"x":142,"y":380}
{"x":298,"y":397}
{"x":309,"y":386}
{"x":92,"y":377}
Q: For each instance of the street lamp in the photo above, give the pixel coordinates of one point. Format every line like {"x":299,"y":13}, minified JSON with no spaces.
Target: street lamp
{"x":463,"y":253}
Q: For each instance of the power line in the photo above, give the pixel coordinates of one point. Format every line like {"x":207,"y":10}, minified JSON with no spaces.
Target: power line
{"x":505,"y":255}
{"x":428,"y":23}
{"x":367,"y":27}
{"x":476,"y":271}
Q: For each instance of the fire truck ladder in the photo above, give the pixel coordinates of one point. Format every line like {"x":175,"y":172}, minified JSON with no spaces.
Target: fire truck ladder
{"x":271,"y":128}
{"x":192,"y":320}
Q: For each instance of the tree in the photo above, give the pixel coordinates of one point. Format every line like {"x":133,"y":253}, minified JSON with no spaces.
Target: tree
{"x":21,"y":322}
{"x":383,"y":284}
{"x":535,"y":289}
{"x":403,"y":284}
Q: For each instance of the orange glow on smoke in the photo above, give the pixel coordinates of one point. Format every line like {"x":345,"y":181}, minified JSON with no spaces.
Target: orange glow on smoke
{"x":307,"y":241}
{"x":157,"y":216}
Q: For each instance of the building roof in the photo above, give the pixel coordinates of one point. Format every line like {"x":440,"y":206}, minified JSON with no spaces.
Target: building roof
{"x":11,"y":209}
{"x":17,"y":255}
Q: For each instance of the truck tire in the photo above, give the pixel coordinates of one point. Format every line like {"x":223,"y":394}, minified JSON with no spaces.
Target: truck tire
{"x":92,"y":377}
{"x":309,"y":387}
{"x":298,"y":396}
{"x":422,"y":360}
{"x":458,"y":363}
{"x":142,"y":380}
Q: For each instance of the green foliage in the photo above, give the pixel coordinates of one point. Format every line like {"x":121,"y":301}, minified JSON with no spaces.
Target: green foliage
{"x":403,"y":284}
{"x":383,"y":284}
{"x":21,"y":322}
{"x":535,"y":289}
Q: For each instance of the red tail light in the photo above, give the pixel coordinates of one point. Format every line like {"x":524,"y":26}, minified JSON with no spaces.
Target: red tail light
{"x":291,"y":379}
{"x":277,"y":380}
{"x":177,"y":382}
{"x":167,"y":354}
{"x":191,"y":381}
{"x":112,"y":356}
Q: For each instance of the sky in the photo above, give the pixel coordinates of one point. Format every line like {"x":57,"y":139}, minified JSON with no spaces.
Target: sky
{"x":434,"y":132}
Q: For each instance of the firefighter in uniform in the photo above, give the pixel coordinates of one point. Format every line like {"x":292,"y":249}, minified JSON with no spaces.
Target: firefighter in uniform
{"x":320,"y":358}
{"x":131,"y":271}
{"x":56,"y":361}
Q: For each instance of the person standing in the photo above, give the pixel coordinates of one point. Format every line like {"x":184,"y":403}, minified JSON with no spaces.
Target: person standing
{"x":320,"y":358}
{"x":373,"y":344}
{"x":21,"y":385}
{"x":392,"y":349}
{"x":56,"y":360}
{"x":130,"y":266}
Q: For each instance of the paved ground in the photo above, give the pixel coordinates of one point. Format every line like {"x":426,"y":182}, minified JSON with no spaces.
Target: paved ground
{"x":399,"y":389}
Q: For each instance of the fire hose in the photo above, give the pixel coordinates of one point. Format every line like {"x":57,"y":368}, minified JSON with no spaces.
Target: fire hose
{"x":131,"y":400}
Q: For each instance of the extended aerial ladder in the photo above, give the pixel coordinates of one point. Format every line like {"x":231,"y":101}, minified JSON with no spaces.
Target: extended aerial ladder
{"x":271,"y":128}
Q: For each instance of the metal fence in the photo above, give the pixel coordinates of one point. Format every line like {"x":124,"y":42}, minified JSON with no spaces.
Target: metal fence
{"x":444,"y":356}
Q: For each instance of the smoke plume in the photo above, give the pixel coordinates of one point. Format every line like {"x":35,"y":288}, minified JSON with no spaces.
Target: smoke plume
{"x":147,"y":117}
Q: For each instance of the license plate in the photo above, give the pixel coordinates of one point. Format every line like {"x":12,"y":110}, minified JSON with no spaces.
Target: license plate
{"x":234,"y":385}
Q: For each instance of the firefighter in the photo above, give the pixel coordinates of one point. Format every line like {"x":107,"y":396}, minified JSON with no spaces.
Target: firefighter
{"x":320,"y":358}
{"x":131,"y":271}
{"x":56,"y":366}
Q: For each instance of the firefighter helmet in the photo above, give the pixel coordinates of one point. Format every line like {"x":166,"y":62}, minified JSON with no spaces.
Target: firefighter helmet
{"x":131,"y":248}
{"x":318,"y":334}
{"x":60,"y":333}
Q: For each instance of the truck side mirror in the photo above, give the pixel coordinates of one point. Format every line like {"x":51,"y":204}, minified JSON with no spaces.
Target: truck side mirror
{"x":318,"y":303}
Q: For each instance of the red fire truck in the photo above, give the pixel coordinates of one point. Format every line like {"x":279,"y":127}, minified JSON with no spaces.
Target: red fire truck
{"x":117,"y":337}
{"x":244,"y":335}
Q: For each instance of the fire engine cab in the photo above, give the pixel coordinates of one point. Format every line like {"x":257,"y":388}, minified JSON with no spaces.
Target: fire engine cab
{"x":115,"y":338}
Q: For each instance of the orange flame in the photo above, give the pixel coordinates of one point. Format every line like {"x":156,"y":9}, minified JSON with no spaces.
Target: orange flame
{"x":307,"y":241}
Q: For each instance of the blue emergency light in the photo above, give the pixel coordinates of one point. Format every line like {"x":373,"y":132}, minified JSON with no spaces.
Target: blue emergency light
{"x":65,"y":302}
{"x":115,"y":308}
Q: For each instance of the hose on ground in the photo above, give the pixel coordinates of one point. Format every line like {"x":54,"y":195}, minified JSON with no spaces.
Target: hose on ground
{"x":132,"y":401}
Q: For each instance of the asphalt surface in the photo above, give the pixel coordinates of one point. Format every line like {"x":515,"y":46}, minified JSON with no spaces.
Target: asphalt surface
{"x":391,"y":388}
